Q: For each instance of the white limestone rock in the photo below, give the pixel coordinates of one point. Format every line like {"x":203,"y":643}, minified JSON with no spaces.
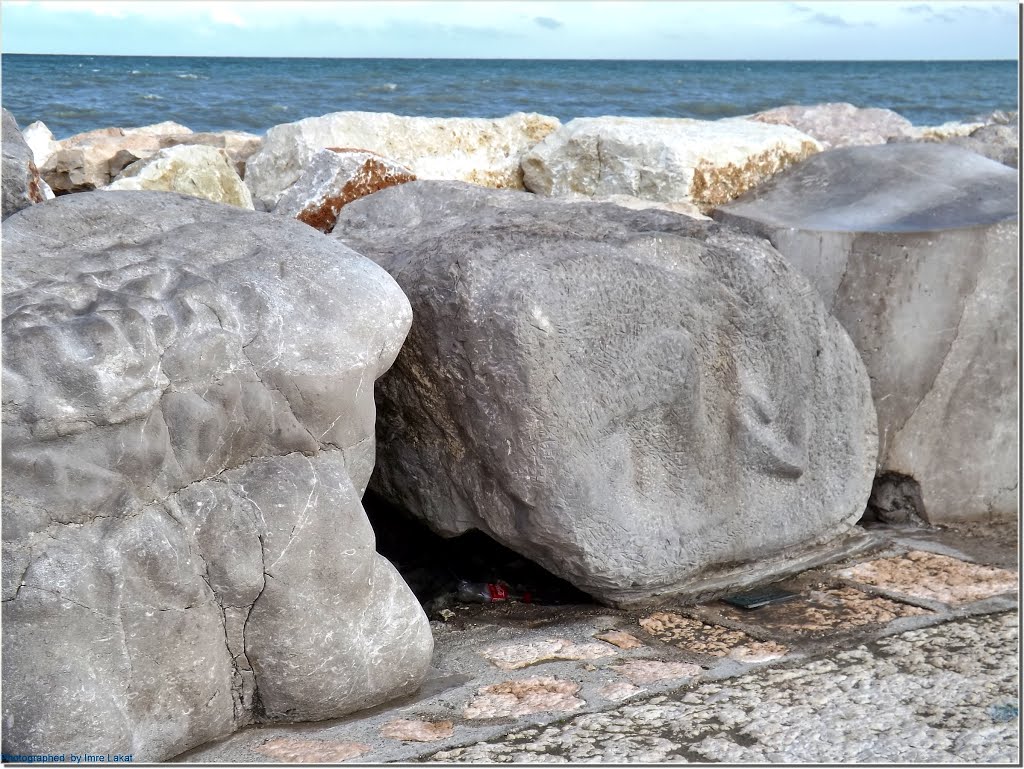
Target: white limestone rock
{"x":196,"y":170}
{"x":839,"y":124}
{"x":41,"y":141}
{"x":672,"y":160}
{"x":477,"y":150}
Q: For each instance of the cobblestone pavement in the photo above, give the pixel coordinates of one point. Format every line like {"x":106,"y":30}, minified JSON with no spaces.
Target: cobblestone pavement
{"x":938,"y":694}
{"x":903,"y":653}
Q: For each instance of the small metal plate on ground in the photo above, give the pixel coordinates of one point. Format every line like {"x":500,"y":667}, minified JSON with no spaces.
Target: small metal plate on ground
{"x":755,"y":599}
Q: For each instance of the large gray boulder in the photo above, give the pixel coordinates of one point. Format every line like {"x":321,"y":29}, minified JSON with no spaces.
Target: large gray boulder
{"x":22,"y":185}
{"x":188,"y":430}
{"x":913,"y":247}
{"x":643,"y":403}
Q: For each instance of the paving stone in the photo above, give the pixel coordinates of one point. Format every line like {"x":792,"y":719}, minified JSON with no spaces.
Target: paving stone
{"x":619,"y":690}
{"x":292,"y":751}
{"x":652,"y":671}
{"x":621,"y":639}
{"x":825,"y":611}
{"x":703,"y":638}
{"x":521,"y":655}
{"x":923,"y":696}
{"x":935,"y":577}
{"x":414,"y":730}
{"x":521,"y":697}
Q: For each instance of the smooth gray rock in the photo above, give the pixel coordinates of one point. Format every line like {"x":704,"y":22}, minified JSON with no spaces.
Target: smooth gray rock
{"x":188,"y":430}
{"x":913,"y":247}
{"x":643,"y":403}
{"x":22,"y":185}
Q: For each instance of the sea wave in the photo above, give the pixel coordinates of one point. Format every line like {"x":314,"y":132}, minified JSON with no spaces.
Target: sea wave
{"x":151,"y":97}
{"x":192,"y":76}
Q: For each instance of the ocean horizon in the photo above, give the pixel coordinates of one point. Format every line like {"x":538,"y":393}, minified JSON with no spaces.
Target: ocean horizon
{"x":253,"y":94}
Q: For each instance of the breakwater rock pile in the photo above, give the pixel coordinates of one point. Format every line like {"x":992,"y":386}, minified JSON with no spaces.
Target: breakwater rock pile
{"x":654,"y":405}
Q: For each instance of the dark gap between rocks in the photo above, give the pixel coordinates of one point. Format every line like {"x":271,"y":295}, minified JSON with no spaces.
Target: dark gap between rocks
{"x":895,"y":501}
{"x":433,"y":566}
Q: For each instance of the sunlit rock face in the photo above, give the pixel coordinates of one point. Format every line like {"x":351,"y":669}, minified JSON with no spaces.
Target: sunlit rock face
{"x":644,"y":403}
{"x":196,"y":170}
{"x":478,"y":150}
{"x":913,"y":247}
{"x":671,"y":160}
{"x":188,"y":430}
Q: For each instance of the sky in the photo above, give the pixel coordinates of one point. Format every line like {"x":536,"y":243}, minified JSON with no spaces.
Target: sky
{"x":541,"y":29}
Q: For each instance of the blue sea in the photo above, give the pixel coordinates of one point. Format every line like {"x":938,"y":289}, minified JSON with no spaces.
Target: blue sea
{"x":78,"y":93}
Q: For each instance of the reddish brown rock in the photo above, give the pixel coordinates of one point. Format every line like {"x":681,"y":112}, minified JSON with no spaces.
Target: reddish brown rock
{"x":334,"y":177}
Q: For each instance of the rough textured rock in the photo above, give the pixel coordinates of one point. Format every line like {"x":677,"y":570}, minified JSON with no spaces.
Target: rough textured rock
{"x":934,"y":577}
{"x":913,"y":249}
{"x":239,"y":145}
{"x":22,"y":186}
{"x":195,"y":170}
{"x":334,"y":177}
{"x":941,"y":133}
{"x":40,"y":139}
{"x":521,"y":655}
{"x":643,"y":403}
{"x":839,"y":124}
{"x":672,"y":160}
{"x":188,"y":430}
{"x":652,"y":671}
{"x":476,"y":150}
{"x":997,"y":142}
{"x":523,"y":697}
{"x":93,"y":159}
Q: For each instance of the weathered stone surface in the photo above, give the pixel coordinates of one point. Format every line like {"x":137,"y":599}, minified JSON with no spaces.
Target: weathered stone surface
{"x":619,"y":690}
{"x":195,"y":170}
{"x":714,"y":640}
{"x":652,"y":671}
{"x":296,"y":751}
{"x":621,"y":639}
{"x":638,"y":401}
{"x":839,"y":124}
{"x":524,"y":696}
{"x":239,"y":145}
{"x":476,"y":150}
{"x":941,"y":133}
{"x":672,"y":160}
{"x":521,"y":655}
{"x":934,"y":577}
{"x":22,"y":186}
{"x":41,"y":140}
{"x":415,"y":730}
{"x":913,"y":247}
{"x":188,"y":430}
{"x":91,"y":160}
{"x":997,"y":142}
{"x":822,"y":613}
{"x":335,"y":177}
